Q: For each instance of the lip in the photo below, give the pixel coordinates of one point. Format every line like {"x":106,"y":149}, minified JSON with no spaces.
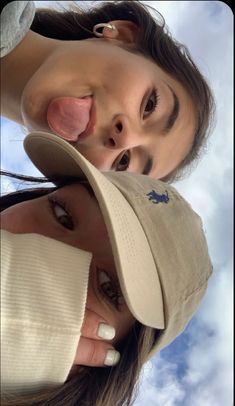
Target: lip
{"x":91,"y":124}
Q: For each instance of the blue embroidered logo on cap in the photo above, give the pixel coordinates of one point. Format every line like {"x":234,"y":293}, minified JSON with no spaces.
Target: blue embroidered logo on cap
{"x":156,"y":198}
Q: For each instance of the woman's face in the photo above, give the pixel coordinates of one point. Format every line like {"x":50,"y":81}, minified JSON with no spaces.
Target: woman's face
{"x":141,"y":119}
{"x":72,"y":216}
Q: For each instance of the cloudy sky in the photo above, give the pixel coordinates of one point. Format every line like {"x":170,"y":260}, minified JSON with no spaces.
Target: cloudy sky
{"x":196,"y":369}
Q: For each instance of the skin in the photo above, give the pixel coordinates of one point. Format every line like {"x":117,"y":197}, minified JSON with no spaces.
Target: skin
{"x":128,"y":129}
{"x":71,"y":215}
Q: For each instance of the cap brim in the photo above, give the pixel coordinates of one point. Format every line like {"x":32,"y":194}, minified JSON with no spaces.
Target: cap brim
{"x":134,"y":261}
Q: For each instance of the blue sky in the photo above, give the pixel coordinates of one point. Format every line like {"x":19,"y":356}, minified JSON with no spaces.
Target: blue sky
{"x":196,"y":369}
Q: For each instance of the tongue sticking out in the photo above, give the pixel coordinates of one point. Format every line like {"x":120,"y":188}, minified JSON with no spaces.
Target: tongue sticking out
{"x":68,"y":116}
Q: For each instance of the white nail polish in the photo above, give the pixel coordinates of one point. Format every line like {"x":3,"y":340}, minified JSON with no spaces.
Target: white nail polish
{"x":105,"y":331}
{"x":112,"y":358}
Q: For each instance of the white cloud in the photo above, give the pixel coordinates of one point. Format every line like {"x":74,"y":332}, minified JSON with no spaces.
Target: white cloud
{"x":159,"y":386}
{"x":208,"y":368}
{"x":13,"y":156}
{"x":207,"y":379}
{"x":210,"y":361}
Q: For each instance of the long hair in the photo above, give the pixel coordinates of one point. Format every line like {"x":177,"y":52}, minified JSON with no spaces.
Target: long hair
{"x":153,"y":41}
{"x":89,"y":386}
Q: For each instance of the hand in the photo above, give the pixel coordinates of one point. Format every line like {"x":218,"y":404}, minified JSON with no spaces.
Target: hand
{"x":92,"y":350}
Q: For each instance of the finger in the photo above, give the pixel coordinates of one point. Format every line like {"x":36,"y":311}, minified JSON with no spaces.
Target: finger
{"x":95,"y":353}
{"x":95,"y":327}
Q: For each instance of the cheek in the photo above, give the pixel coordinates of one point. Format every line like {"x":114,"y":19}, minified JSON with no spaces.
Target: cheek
{"x":93,"y":236}
{"x":59,"y":75}
{"x":95,"y":241}
{"x":95,"y":152}
{"x":48,"y":82}
{"x":18,"y":219}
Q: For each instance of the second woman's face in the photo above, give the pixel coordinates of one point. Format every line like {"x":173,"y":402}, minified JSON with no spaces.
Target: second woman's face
{"x":72,"y":216}
{"x":138,"y":118}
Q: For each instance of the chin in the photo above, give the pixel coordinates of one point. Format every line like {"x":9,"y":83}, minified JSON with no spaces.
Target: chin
{"x":34,"y":123}
{"x":33,"y":112}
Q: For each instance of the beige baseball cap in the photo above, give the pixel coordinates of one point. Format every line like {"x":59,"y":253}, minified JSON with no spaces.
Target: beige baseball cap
{"x":158,"y":243}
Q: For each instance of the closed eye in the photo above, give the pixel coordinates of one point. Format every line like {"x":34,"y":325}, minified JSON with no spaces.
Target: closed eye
{"x":60,"y":213}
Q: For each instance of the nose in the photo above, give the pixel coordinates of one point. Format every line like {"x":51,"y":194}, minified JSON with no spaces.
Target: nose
{"x":122,"y":134}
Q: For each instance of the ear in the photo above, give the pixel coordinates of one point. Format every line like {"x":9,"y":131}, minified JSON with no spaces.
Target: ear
{"x":125,"y":31}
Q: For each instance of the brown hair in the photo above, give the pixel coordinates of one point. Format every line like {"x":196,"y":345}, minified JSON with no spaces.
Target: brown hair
{"x":106,"y":386}
{"x":116,"y":386}
{"x":155,"y":42}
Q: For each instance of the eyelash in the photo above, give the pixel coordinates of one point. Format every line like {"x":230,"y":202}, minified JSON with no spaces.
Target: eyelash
{"x":54,"y":204}
{"x":126,"y":165}
{"x":116,"y":297}
{"x":156,"y":96}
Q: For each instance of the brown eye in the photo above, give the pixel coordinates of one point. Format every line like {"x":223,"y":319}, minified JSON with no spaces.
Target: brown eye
{"x":124,"y":162}
{"x":151,"y":103}
{"x":61,"y":214}
{"x":108,"y":288}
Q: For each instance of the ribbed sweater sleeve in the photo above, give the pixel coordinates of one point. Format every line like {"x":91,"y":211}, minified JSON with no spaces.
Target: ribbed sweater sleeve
{"x":43,"y":294}
{"x":16,"y":19}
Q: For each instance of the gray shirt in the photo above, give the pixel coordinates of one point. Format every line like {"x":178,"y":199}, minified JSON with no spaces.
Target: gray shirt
{"x":16,"y":19}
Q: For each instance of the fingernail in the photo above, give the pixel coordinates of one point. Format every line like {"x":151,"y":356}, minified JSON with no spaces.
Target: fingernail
{"x":112,"y":358}
{"x":105,"y":331}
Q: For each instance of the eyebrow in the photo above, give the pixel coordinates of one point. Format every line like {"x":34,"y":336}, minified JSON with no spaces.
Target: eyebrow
{"x":148,"y":166}
{"x":173,"y":115}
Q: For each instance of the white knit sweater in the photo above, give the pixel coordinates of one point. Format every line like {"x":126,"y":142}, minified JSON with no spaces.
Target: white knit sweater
{"x":16,"y":19}
{"x":43,"y":294}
